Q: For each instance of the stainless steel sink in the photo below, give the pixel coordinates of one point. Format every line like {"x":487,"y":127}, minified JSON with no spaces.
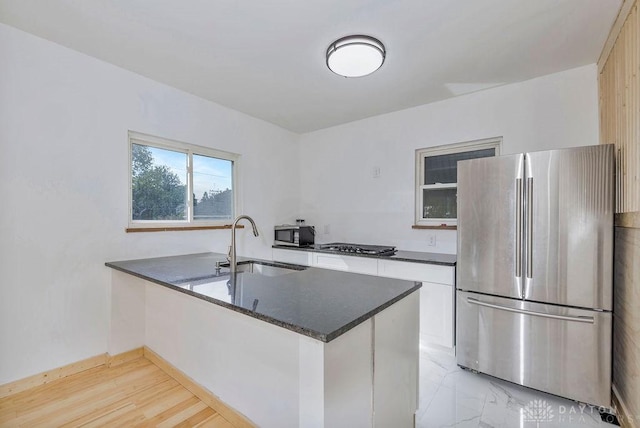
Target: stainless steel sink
{"x":221,"y":287}
{"x":267,"y":269}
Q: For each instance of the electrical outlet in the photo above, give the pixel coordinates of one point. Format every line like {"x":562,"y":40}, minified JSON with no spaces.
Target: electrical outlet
{"x":431,"y":240}
{"x":327,"y":229}
{"x":376,"y":172}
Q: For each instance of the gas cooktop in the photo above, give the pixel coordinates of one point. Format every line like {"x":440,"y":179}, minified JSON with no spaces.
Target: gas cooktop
{"x":374,"y":250}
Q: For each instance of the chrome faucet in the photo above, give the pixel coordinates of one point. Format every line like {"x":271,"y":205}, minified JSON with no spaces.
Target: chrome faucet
{"x":233,"y":263}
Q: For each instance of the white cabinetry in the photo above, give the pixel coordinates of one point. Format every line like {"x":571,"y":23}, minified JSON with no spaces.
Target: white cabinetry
{"x":416,"y":271}
{"x":437,"y":295}
{"x":437,"y":314}
{"x":295,"y":257}
{"x":368,"y":266}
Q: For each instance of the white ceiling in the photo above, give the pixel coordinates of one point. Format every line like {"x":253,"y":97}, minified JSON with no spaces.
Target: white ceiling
{"x":267,"y":58}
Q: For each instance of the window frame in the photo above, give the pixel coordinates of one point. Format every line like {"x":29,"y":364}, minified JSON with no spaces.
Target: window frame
{"x":467,"y":146}
{"x":190,"y":150}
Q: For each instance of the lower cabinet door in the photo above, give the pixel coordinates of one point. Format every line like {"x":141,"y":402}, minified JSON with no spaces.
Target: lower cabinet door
{"x":436,"y":314}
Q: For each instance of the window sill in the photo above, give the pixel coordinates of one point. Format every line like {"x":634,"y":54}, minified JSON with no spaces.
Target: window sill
{"x":179,"y":228}
{"x":441,"y":226}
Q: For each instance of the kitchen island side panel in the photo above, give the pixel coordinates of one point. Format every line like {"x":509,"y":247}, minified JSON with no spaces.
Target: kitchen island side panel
{"x":250,"y":365}
{"x":397,"y":344}
{"x":349,"y":378}
{"x":276,"y":377}
{"x":126,"y":313}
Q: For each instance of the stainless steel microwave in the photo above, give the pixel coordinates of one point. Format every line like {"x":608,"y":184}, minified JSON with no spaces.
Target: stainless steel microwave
{"x":294,"y":236}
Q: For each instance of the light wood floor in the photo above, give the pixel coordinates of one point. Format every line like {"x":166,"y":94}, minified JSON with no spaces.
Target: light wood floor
{"x":135,"y":393}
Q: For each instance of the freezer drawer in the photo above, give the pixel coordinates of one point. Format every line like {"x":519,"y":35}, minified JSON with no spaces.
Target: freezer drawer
{"x":560,"y":350}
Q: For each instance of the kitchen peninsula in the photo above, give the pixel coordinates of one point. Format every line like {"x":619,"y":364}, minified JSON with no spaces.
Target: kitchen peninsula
{"x":285,"y":345}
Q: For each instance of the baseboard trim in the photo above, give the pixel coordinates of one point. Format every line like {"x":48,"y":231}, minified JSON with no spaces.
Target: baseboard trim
{"x":124,"y":357}
{"x":624,"y":416}
{"x":231,"y":415}
{"x":68,"y":370}
{"x":236,"y":419}
{"x":51,"y":375}
{"x":437,"y":348}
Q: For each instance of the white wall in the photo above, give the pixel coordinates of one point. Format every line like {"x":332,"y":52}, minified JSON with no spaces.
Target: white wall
{"x":337,"y":184}
{"x":64,"y":118}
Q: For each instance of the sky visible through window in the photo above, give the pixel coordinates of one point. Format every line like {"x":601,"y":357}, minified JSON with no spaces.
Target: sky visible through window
{"x":211,"y":175}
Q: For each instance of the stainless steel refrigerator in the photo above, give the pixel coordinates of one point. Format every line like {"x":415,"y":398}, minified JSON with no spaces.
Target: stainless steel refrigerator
{"x":534,"y":270}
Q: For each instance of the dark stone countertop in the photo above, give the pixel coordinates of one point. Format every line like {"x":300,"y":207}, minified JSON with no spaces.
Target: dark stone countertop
{"x":400,"y":255}
{"x":319,"y":303}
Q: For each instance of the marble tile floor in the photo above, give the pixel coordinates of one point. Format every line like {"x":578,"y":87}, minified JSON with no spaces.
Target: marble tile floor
{"x":452,"y":397}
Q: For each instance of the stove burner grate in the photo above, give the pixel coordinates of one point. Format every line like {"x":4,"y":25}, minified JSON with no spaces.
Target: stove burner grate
{"x":376,"y":250}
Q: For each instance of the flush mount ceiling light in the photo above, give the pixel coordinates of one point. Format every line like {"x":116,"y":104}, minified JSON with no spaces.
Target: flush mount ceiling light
{"x":355,"y":56}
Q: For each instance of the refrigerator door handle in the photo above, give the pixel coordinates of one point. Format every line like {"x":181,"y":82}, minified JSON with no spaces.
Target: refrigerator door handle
{"x":518,"y":227}
{"x":530,"y":227}
{"x":585,"y":319}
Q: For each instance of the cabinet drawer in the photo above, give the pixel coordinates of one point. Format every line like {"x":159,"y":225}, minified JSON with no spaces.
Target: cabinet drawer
{"x":416,"y":271}
{"x":346,"y":263}
{"x":292,"y":256}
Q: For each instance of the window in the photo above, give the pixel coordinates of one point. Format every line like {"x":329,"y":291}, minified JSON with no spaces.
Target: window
{"x":175,"y":184}
{"x":436,"y":179}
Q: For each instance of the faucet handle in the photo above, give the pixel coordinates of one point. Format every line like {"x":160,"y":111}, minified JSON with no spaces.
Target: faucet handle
{"x":229,"y":254}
